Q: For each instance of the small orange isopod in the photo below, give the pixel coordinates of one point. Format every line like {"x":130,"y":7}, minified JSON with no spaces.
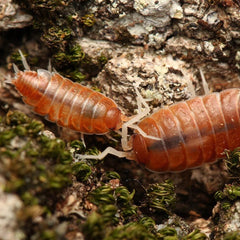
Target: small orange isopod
{"x":67,"y":103}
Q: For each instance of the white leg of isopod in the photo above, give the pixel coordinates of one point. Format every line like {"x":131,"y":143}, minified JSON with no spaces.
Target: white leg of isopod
{"x":141,"y":113}
{"x":82,"y":139}
{"x":108,"y":150}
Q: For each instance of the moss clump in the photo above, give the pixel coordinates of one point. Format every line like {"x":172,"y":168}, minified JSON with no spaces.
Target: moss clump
{"x":54,"y":19}
{"x":114,"y":204}
{"x":95,"y":228}
{"x":130,"y":231}
{"x":102,"y":60}
{"x":71,"y":59}
{"x":232,"y":236}
{"x":228,"y":195}
{"x":74,"y":55}
{"x":88,"y":20}
{"x":107,"y":176}
{"x":35,"y":167}
{"x":82,"y":171}
{"x":167,"y":233}
{"x":18,"y":125}
{"x":77,"y":146}
{"x":231,"y":192}
{"x":161,"y":196}
{"x":233,"y":162}
{"x":57,"y":36}
{"x":195,"y":235}
{"x":85,"y":169}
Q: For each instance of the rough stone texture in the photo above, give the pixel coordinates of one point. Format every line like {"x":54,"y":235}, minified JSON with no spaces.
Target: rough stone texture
{"x":12,"y":17}
{"x":161,"y":79}
{"x":10,"y":204}
{"x":140,"y":21}
{"x":229,"y":220}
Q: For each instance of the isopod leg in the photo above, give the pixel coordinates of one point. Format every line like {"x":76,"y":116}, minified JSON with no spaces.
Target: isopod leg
{"x":108,"y":150}
{"x":141,"y":113}
{"x":82,"y":139}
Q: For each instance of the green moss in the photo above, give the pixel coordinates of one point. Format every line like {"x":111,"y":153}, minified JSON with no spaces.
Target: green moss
{"x":232,"y":236}
{"x":88,"y":20}
{"x":130,"y":231}
{"x":161,"y":196}
{"x":195,"y":235}
{"x":74,"y":55}
{"x":111,"y":222}
{"x":228,"y":195}
{"x":120,"y":197}
{"x":82,"y":171}
{"x":57,"y":23}
{"x":107,"y":195}
{"x":102,"y":60}
{"x":16,"y":118}
{"x":6,"y":136}
{"x":54,"y":149}
{"x":71,"y":58}
{"x":57,"y":36}
{"x":77,"y":75}
{"x":148,"y":222}
{"x":77,"y":145}
{"x":167,"y":233}
{"x":103,"y":195}
{"x":233,"y":162}
{"x":109,"y":214}
{"x":94,"y":227}
{"x":34,"y":166}
{"x":110,"y":175}
{"x":85,"y":169}
{"x":16,"y":58}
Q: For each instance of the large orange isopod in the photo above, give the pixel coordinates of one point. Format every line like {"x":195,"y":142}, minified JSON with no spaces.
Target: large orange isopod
{"x":188,"y":134}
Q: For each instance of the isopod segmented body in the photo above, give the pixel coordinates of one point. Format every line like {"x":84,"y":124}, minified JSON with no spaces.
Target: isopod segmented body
{"x":66,"y":103}
{"x":190,"y":133}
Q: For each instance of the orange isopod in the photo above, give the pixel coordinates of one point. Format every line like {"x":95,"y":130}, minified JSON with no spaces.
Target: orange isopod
{"x":67,"y":103}
{"x":188,"y":134}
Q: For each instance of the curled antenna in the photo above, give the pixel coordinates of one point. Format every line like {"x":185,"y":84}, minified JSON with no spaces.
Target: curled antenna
{"x":204,"y":82}
{"x":49,"y":65}
{"x":24,"y":61}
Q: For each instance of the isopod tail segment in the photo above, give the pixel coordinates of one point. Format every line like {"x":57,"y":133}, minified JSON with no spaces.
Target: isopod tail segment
{"x":67,"y":103}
